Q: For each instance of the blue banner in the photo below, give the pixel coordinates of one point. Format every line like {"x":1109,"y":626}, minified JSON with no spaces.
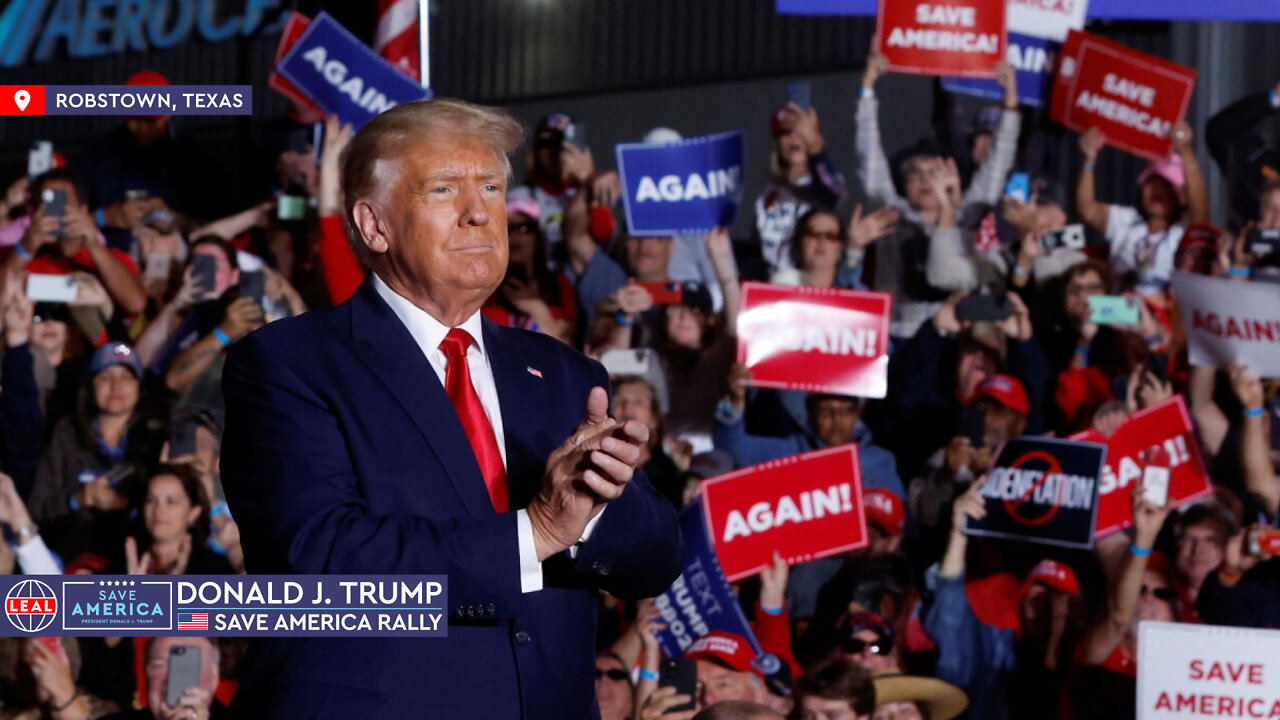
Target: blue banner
{"x":343,"y":76}
{"x":1033,"y":58}
{"x":682,"y":187}
{"x":700,"y":600}
{"x":148,"y":100}
{"x":1239,"y":10}
{"x":225,"y":605}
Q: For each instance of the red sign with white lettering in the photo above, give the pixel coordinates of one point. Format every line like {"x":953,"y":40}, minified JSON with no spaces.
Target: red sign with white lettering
{"x":31,"y":606}
{"x":947,"y":37}
{"x":293,"y":29}
{"x":803,"y":507}
{"x":1166,"y":425}
{"x":815,"y":339}
{"x":1133,"y":98}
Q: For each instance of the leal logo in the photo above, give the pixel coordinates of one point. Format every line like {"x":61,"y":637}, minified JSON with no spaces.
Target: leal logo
{"x":31,"y":606}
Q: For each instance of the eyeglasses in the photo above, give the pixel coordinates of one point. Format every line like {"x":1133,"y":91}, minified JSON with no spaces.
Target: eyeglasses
{"x":525,"y":227}
{"x":1077,"y":289}
{"x":1161,"y":593}
{"x":856,"y":646}
{"x":829,"y":235}
{"x":613,"y":674}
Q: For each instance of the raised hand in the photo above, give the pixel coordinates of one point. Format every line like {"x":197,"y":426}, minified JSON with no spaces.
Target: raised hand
{"x":590,"y":468}
{"x":866,"y":229}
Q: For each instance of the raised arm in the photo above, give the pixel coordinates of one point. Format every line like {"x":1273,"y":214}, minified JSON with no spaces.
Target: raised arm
{"x":1094,"y":213}
{"x":1125,"y":590}
{"x":987,"y":184}
{"x":1255,"y":456}
{"x":873,"y":165}
{"x":1197,"y":192}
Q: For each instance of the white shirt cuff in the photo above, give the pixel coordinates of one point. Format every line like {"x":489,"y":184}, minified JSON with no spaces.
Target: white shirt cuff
{"x":586,"y":532}
{"x":35,"y":558}
{"x":530,"y":566}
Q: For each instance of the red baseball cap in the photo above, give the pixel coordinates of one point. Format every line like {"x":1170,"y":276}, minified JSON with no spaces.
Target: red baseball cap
{"x":1056,"y":575}
{"x":727,"y":649}
{"x":884,"y":510}
{"x":147,"y":77}
{"x":778,"y":123}
{"x":1006,"y":390}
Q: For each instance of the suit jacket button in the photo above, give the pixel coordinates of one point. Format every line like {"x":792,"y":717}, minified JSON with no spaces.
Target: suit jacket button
{"x":600,"y":568}
{"x":523,"y":638}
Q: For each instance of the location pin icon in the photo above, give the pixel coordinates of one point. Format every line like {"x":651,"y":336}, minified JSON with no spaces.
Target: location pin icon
{"x":23,"y":98}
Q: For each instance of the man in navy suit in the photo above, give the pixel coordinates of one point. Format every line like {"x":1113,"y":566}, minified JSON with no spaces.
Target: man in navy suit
{"x":402,"y":433}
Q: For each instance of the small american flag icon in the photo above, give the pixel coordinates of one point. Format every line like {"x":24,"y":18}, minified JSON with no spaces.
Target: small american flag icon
{"x":193,"y":621}
{"x":533,"y":371}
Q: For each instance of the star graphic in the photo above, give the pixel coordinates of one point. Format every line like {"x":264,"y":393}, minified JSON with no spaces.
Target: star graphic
{"x":102,"y":582}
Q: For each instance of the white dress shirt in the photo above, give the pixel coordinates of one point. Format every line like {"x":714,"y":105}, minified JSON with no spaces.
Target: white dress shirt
{"x":429,"y":332}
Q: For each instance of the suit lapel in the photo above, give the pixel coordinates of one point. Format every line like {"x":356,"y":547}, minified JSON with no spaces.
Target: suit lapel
{"x":520,"y":394}
{"x":385,"y":346}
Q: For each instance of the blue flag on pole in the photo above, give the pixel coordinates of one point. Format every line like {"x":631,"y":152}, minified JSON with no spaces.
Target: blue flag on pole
{"x":682,"y":187}
{"x":700,"y":600}
{"x":343,"y":75}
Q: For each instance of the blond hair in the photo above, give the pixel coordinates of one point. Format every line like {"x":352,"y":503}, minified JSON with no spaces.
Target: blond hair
{"x":387,"y":137}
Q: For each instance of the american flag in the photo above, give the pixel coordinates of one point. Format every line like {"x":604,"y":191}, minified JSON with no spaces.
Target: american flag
{"x":193,"y":621}
{"x":397,"y":36}
{"x":533,"y":371}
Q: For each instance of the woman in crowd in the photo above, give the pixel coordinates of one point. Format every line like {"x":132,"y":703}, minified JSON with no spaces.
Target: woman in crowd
{"x":90,"y":471}
{"x":533,"y":296}
{"x":176,"y":519}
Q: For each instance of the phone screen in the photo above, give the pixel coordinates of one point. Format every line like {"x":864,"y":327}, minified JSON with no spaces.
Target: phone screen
{"x":204,"y":268}
{"x":1113,"y":310}
{"x":182,"y":439}
{"x":1018,"y":187}
{"x":800,"y":93}
{"x":253,"y":285}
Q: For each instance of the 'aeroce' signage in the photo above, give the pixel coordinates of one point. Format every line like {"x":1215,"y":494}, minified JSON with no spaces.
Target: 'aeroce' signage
{"x":35,"y":29}
{"x":1133,"y":98}
{"x":687,"y":186}
{"x":343,"y":75}
{"x":951,"y":37}
{"x":1042,"y":490}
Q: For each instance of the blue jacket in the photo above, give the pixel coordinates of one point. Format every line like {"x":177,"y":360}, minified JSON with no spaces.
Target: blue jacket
{"x":343,"y":454}
{"x":971,"y":654}
{"x":879,"y":469}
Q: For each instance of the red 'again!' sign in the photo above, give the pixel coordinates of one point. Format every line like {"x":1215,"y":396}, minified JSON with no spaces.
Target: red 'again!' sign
{"x":815,"y":339}
{"x":1133,"y":98}
{"x":947,"y":37}
{"x":803,"y":507}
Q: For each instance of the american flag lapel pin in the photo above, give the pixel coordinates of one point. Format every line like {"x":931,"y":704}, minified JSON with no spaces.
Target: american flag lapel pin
{"x":533,"y":371}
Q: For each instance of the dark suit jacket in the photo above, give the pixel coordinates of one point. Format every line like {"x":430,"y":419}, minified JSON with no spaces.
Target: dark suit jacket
{"x":343,"y":454}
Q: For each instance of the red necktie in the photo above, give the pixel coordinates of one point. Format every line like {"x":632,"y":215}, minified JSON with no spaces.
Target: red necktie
{"x":457,"y":382}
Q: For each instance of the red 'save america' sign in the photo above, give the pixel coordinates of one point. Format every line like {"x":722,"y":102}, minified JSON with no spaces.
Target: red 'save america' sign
{"x":1133,"y":98}
{"x":946,"y":37}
